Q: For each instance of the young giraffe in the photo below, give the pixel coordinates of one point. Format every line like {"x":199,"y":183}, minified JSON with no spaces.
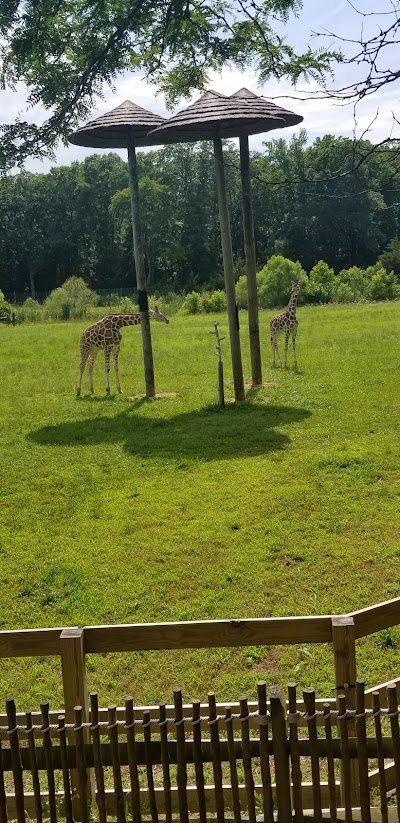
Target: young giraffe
{"x":105,"y":335}
{"x":286,"y":322}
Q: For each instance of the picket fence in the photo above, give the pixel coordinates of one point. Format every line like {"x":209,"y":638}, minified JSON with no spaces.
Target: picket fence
{"x":281,"y":759}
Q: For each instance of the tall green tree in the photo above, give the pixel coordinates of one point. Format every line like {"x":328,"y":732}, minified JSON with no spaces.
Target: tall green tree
{"x":66,"y":52}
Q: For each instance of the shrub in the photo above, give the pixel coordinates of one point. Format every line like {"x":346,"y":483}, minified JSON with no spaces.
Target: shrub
{"x":358,"y":279}
{"x":241,"y":292}
{"x":5,"y":308}
{"x":192,"y":303}
{"x":30,"y":311}
{"x":127,"y":306}
{"x":169,"y":303}
{"x":390,"y":258}
{"x":72,"y":299}
{"x":275,"y":279}
{"x":111,"y":300}
{"x":57,"y":305}
{"x":322,"y":284}
{"x":343,"y":294}
{"x":384,"y":286}
{"x":214,"y":302}
{"x":80,"y":296}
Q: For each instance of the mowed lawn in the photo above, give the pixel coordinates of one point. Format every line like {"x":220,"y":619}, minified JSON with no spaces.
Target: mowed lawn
{"x":121,"y":510}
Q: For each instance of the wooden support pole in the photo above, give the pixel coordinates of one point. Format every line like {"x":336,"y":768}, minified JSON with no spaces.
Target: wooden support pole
{"x":76,"y":694}
{"x":140,"y":270}
{"x":344,"y":652}
{"x":250,"y":257}
{"x":227,"y":256}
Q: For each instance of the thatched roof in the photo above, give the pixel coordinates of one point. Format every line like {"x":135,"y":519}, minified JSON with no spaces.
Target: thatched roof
{"x":242,"y":113}
{"x":110,"y":130}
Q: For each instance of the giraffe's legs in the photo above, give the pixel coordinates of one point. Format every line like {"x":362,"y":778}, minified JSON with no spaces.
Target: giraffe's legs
{"x":294,"y":332}
{"x":84,"y":357}
{"x":287,"y":335}
{"x":274,"y":346}
{"x":115,"y":353}
{"x":91,"y":361}
{"x":107,"y":369}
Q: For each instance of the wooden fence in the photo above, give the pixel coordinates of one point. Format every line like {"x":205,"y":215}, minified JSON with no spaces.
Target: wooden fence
{"x":233,"y":765}
{"x":72,"y":645}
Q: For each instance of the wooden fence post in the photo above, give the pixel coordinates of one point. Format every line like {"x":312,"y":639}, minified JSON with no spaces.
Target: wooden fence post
{"x":281,"y":757}
{"x":344,"y":653}
{"x":76,"y":694}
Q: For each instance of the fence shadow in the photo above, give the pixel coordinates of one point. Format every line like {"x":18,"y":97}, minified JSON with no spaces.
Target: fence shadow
{"x":248,"y":429}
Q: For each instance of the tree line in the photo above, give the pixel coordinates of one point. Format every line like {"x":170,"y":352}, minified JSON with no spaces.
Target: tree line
{"x":334,"y":200}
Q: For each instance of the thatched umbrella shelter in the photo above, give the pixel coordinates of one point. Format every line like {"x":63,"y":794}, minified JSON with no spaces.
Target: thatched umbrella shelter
{"x":213,"y":117}
{"x":268,"y":116}
{"x":127,"y":127}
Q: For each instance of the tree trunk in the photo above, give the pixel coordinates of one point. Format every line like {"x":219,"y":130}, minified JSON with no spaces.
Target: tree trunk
{"x":32,"y":284}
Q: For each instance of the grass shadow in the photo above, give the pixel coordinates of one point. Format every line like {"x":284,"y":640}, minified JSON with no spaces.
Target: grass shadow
{"x":245,"y":429}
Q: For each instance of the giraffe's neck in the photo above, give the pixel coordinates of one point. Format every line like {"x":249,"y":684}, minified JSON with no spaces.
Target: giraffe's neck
{"x":291,"y":306}
{"x":126,"y":320}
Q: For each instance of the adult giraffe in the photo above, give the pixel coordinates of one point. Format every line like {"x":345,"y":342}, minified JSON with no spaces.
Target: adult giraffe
{"x":105,"y":334}
{"x":287,"y":323}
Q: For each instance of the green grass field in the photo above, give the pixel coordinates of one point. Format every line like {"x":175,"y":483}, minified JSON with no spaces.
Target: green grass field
{"x":121,"y":510}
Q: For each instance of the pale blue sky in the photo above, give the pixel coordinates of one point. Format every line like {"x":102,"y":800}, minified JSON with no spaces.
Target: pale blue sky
{"x":320,"y":116}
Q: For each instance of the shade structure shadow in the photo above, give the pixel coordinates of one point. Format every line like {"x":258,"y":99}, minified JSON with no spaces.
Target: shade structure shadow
{"x":248,"y":429}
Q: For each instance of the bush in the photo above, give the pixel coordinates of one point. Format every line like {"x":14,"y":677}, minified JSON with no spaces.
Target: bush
{"x":80,"y":296}
{"x":193,"y":303}
{"x":241,"y":292}
{"x":274,"y":281}
{"x":112,"y":300}
{"x":322,"y":284}
{"x":358,"y":280}
{"x":214,"y":302}
{"x":5,"y":308}
{"x":72,"y":299}
{"x":384,"y":286}
{"x":57,"y":305}
{"x":169,"y":303}
{"x":390,"y":258}
{"x":343,"y":294}
{"x":30,"y":311}
{"x":126,"y":306}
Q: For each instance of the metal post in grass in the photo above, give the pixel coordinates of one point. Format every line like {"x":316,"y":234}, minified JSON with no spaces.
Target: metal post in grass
{"x":217,"y":351}
{"x":127,"y":127}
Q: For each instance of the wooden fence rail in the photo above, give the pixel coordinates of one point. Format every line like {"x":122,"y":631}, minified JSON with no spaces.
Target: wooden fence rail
{"x":190,"y":766}
{"x":200,"y":634}
{"x":72,"y":645}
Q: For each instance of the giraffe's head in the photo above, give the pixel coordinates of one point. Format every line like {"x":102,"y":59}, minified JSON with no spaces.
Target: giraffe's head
{"x":155,"y":314}
{"x":295,"y":286}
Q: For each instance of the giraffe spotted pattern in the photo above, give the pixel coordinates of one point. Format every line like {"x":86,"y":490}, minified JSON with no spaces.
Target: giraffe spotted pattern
{"x":286,"y":322}
{"x":105,"y":334}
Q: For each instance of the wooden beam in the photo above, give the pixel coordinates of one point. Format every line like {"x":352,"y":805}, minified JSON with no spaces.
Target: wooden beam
{"x":382,"y":690}
{"x":208,"y":634}
{"x":375,"y":618}
{"x":30,"y":642}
